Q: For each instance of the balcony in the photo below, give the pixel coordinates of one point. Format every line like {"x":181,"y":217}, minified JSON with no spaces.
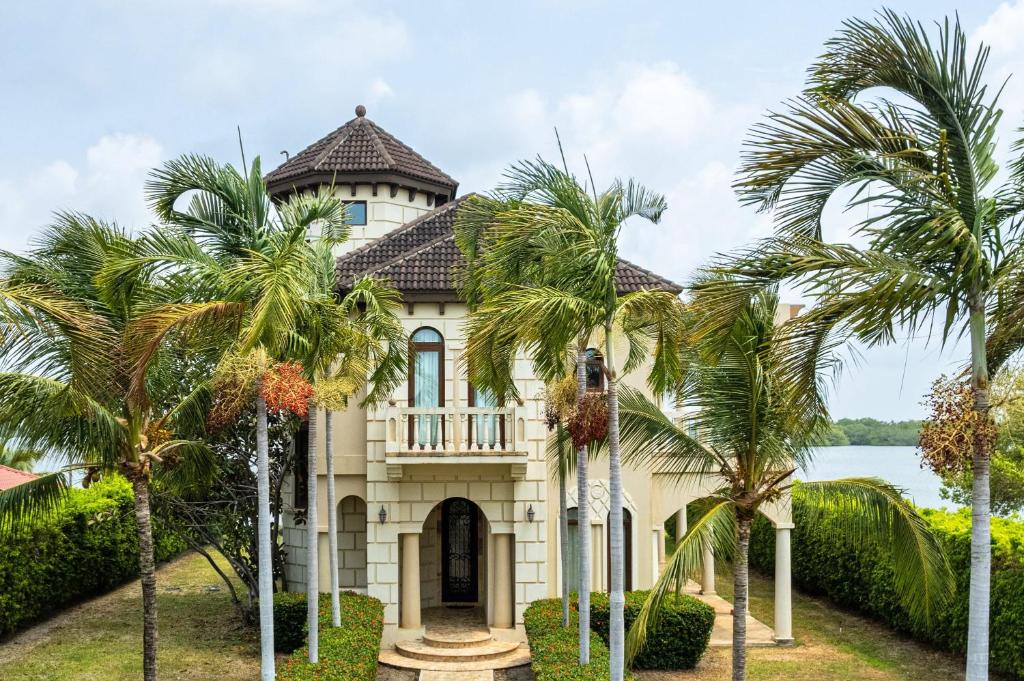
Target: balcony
{"x":455,"y":435}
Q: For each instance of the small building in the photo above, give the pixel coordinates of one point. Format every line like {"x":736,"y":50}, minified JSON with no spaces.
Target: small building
{"x":12,"y":477}
{"x":444,"y":496}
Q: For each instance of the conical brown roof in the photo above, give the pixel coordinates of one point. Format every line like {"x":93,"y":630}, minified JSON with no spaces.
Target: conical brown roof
{"x":360,"y":151}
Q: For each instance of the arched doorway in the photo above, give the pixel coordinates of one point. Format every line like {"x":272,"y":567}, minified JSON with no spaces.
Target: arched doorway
{"x":352,"y":543}
{"x":459,"y":551}
{"x":454,"y":555}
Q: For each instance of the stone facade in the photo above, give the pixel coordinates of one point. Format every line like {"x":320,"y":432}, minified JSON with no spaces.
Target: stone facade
{"x":391,"y":533}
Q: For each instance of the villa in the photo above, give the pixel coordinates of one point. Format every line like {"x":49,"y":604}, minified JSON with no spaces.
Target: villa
{"x":446,"y":498}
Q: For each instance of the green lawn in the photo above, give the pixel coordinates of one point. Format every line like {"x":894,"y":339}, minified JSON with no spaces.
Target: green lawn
{"x":101,"y":640}
{"x":830,"y":644}
{"x":200,"y":639}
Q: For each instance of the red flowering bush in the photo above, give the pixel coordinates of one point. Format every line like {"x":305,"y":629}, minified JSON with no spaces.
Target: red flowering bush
{"x":284,"y":388}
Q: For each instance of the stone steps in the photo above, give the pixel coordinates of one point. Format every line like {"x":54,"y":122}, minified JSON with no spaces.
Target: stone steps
{"x":457,"y":639}
{"x":446,"y":651}
{"x":424,"y":650}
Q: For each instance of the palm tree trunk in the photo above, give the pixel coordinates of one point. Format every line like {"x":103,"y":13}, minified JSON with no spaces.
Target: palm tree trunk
{"x":312,"y":544}
{"x":741,"y":581}
{"x":147,"y":570}
{"x":563,"y":529}
{"x":266,"y":565}
{"x":981,"y":533}
{"x":617,"y":597}
{"x":583,"y":519}
{"x":332,"y":525}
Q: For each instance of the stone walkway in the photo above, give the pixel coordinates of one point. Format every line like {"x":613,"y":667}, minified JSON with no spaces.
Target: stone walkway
{"x":759,"y":634}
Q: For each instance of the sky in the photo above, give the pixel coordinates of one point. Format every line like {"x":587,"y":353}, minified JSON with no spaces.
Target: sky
{"x":95,"y":94}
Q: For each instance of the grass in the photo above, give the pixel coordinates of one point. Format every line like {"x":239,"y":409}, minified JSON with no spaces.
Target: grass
{"x":200,"y":638}
{"x":101,"y":639}
{"x":830,"y":644}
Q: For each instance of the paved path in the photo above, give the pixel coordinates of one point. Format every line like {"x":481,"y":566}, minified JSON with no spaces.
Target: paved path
{"x":759,"y":634}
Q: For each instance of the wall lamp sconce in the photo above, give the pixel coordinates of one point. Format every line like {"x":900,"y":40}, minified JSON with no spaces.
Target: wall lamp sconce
{"x":530,"y":514}
{"x":383,"y":515}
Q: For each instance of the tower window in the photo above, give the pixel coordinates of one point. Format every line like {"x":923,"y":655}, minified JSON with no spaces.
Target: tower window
{"x":356,"y":212}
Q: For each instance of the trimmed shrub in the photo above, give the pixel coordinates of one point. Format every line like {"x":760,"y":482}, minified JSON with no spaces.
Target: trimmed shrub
{"x":289,"y":621}
{"x":860,"y":577}
{"x":683,"y":634}
{"x":554,"y":650}
{"x":86,"y":548}
{"x":348,"y":652}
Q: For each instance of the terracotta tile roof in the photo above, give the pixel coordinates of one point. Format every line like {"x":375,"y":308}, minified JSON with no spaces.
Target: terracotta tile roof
{"x":12,"y":477}
{"x":422,"y":256}
{"x":360,"y":147}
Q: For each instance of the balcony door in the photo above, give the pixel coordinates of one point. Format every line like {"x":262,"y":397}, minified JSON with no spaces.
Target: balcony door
{"x":426,"y":387}
{"x":485,"y":430}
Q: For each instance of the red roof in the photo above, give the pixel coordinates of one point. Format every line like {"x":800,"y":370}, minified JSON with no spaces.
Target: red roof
{"x":12,"y":477}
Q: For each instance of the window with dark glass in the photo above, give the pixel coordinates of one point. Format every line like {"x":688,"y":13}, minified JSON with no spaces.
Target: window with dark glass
{"x":595,"y":375}
{"x":356,"y":212}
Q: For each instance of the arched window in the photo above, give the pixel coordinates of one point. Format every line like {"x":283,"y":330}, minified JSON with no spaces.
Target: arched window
{"x":627,"y":550}
{"x":595,"y":375}
{"x":426,"y":386}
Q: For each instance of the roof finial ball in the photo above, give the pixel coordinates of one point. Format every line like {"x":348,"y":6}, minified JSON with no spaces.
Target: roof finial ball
{"x":360,"y":111}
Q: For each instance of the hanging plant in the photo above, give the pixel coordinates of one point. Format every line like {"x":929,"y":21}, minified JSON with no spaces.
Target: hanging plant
{"x":334,"y":393}
{"x":588,"y":420}
{"x":559,"y":400}
{"x":947,"y":437}
{"x":284,"y":388}
{"x":234,"y":387}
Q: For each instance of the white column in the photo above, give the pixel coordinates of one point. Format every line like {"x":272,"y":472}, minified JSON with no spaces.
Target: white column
{"x":707,"y":580}
{"x":410,"y":605}
{"x":783,"y":587}
{"x":503,"y":581}
{"x":680,"y":524}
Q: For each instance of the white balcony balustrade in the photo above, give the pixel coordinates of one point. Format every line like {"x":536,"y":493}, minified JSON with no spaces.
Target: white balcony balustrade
{"x":454,"y":431}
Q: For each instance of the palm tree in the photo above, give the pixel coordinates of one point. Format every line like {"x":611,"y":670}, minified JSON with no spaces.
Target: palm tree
{"x":71,"y":395}
{"x":18,"y":458}
{"x":239,"y":259}
{"x":346,"y":344}
{"x":541,"y":256}
{"x":756,"y":415}
{"x":557,"y":409}
{"x":942,"y":246}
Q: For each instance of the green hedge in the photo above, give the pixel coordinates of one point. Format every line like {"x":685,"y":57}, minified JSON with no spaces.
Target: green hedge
{"x":861,"y":578}
{"x":86,"y":548}
{"x":347,"y":653}
{"x":683,"y":634}
{"x":679,"y":643}
{"x":289,"y":621}
{"x":554,"y":650}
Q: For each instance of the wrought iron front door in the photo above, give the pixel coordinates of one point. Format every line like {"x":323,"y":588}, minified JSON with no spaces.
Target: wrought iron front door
{"x":459,"y":551}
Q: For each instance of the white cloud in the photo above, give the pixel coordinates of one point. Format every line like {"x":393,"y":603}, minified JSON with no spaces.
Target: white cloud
{"x":379,"y":89}
{"x":107,"y":183}
{"x":1003,"y":28}
{"x":650,"y":121}
{"x":288,"y":60}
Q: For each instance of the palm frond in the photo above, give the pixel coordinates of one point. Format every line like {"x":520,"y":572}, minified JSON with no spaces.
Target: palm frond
{"x":870,"y":510}
{"x":715,"y":528}
{"x":32,"y":500}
